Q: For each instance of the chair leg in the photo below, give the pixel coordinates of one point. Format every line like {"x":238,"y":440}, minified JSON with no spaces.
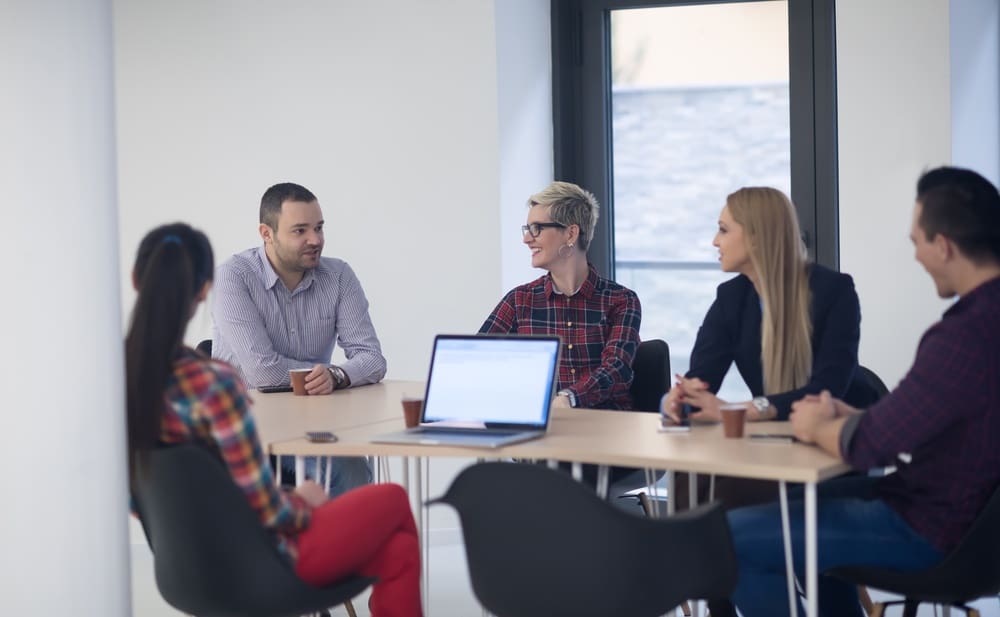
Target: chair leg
{"x":910,"y":608}
{"x":350,"y":609}
{"x":866,"y":600}
{"x":647,"y":509}
{"x":644,"y":503}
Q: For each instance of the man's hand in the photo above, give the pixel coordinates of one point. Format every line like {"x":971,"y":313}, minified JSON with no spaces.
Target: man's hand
{"x":811,"y":412}
{"x":312,"y":493}
{"x":319,"y":381}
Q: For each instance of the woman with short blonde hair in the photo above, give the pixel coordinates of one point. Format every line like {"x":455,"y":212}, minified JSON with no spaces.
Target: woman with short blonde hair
{"x":597,"y":319}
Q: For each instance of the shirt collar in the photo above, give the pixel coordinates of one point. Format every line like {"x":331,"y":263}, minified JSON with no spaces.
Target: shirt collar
{"x":586,"y":289}
{"x":987,"y":289}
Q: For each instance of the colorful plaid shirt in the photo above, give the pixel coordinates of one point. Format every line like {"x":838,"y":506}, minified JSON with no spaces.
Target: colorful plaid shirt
{"x":599,"y":327}
{"x":208,"y":404}
{"x":945,"y":414}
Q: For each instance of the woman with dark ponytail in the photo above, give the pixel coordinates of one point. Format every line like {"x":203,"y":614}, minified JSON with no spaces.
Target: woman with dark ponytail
{"x":176,"y":395}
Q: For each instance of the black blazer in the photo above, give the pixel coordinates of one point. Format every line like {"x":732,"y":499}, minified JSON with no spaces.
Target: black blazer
{"x":731,"y":333}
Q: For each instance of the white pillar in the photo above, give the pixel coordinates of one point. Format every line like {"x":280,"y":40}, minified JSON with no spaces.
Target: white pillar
{"x":63,"y":535}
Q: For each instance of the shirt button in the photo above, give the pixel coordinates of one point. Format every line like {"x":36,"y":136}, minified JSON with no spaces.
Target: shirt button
{"x":569,"y":324}
{"x":573,"y":371}
{"x":570,"y":346}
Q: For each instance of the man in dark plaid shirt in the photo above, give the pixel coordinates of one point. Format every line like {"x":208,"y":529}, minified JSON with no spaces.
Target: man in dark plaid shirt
{"x":597,"y":319}
{"x":940,"y":426}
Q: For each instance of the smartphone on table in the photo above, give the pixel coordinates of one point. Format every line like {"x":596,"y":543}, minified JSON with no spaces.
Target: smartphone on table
{"x":773,"y":437}
{"x":321,"y":436}
{"x":272,"y":389}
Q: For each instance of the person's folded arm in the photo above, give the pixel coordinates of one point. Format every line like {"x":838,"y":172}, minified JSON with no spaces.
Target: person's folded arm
{"x":945,"y":384}
{"x":613,"y":375}
{"x":356,"y":334}
{"x":228,"y":421}
{"x":835,"y":357}
{"x":712,"y":354}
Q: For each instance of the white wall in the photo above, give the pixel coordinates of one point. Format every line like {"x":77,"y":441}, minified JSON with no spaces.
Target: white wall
{"x":975,"y":86}
{"x":421,"y":126}
{"x":894,"y":122}
{"x":386,"y":110}
{"x":524,"y":91}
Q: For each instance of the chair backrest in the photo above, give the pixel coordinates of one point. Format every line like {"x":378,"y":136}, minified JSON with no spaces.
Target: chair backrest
{"x":542,"y":545}
{"x":865,"y":389}
{"x":212,"y":556}
{"x":971,"y":570}
{"x":650,"y":374}
{"x":205,"y":347}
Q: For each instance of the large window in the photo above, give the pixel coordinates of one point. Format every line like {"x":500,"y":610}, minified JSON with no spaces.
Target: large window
{"x":663,"y":108}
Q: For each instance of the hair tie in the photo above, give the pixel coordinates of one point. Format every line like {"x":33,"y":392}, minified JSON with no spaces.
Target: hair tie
{"x":171,"y":239}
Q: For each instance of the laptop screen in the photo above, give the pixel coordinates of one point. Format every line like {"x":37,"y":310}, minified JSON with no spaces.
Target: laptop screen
{"x":496,"y":380}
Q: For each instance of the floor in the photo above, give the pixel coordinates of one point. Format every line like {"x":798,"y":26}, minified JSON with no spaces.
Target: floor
{"x":450,"y":594}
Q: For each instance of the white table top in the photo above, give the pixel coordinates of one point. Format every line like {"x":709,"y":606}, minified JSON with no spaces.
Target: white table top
{"x":627,"y":439}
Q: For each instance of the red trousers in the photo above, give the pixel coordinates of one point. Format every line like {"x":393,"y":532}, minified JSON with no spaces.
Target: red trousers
{"x":367,"y":531}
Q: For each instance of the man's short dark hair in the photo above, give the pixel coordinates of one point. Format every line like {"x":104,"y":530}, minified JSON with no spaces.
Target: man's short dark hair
{"x":270,"y":203}
{"x":964,"y":207}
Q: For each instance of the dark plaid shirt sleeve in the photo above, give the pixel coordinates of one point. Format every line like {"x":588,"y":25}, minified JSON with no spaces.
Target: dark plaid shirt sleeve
{"x":503,"y":319}
{"x":941,"y":425}
{"x":611,"y":380}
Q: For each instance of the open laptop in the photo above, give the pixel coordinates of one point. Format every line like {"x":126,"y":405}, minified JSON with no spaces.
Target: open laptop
{"x":485,"y":391}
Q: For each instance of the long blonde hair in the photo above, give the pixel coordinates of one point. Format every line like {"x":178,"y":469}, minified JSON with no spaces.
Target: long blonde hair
{"x":774,"y":242}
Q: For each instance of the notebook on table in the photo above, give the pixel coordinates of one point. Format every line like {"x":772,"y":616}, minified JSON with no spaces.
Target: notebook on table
{"x":485,"y":391}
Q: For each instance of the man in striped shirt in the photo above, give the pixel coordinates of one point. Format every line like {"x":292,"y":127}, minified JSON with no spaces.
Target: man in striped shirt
{"x":940,"y":426}
{"x":284,"y":306}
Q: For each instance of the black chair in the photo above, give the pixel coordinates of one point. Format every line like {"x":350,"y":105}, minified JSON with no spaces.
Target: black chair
{"x":650,"y":374}
{"x":211,"y":555}
{"x":205,"y":347}
{"x":970,"y":571}
{"x":865,"y":389}
{"x":542,"y":545}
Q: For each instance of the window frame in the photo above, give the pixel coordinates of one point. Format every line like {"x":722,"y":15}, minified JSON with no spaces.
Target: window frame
{"x":581,"y":114}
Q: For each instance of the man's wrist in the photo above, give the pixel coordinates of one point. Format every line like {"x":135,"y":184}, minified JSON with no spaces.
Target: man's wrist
{"x":340,"y":379}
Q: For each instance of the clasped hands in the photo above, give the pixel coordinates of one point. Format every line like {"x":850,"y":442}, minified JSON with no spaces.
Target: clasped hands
{"x":812,"y":411}
{"x":695,"y":392}
{"x":808,"y":413}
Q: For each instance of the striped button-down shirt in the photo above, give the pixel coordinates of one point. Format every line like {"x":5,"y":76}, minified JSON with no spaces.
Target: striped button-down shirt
{"x":263,"y":329}
{"x":208,"y":404}
{"x":599,"y":327}
{"x":946,"y":414}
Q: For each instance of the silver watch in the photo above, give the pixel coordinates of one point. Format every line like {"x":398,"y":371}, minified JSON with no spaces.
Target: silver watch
{"x":761,"y":404}
{"x":339,"y":377}
{"x":569,"y":395}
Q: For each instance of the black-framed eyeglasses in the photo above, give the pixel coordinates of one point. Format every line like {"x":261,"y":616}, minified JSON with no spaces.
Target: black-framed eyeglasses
{"x":536,"y":228}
